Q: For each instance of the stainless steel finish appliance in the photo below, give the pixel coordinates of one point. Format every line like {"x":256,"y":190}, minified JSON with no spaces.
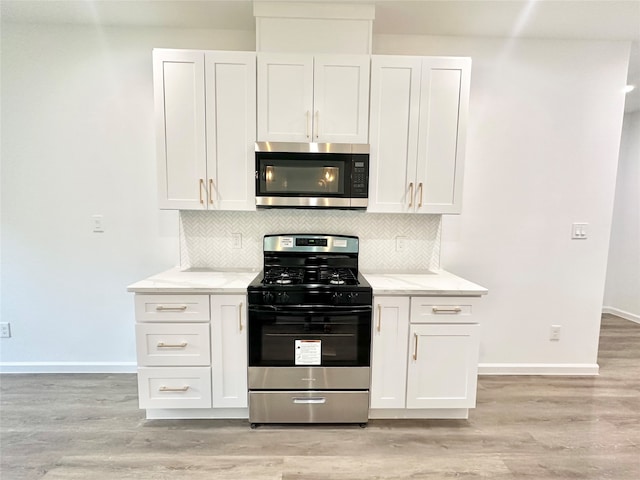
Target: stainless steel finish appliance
{"x":309,"y":331}
{"x":312,"y":175}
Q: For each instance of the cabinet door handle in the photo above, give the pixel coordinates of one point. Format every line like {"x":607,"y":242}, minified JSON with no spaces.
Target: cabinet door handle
{"x":177,"y":308}
{"x":240,"y":315}
{"x":172,"y":345}
{"x":211,"y":191}
{"x":174,"y":389}
{"x":379,"y":316}
{"x":420,"y":201}
{"x":411,"y":194}
{"x":308,"y":121}
{"x":446,"y":310}
{"x":316,"y":123}
{"x":201,"y":187}
{"x":415,"y":347}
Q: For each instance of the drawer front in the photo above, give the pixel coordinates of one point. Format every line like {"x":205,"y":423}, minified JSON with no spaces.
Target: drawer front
{"x":443,"y":309}
{"x":309,"y":406}
{"x":173,"y":344}
{"x":172,"y":308}
{"x":179,"y":387}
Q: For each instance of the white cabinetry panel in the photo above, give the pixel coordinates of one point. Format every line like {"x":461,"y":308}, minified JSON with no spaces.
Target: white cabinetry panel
{"x":389,"y":352}
{"x":229,"y":350}
{"x":443,"y":366}
{"x":172,"y":344}
{"x":174,"y":387}
{"x":171,"y":308}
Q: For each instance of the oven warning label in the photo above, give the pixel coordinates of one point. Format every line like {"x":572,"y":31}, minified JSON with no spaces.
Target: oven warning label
{"x":308,"y":352}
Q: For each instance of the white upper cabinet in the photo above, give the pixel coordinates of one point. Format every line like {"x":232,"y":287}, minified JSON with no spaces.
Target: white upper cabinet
{"x":205,"y":129}
{"x":302,"y":98}
{"x":417,"y":129}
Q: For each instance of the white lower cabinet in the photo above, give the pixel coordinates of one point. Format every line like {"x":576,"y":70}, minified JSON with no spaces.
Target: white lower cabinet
{"x":192,"y":355}
{"x":424,"y":357}
{"x":229,"y":351}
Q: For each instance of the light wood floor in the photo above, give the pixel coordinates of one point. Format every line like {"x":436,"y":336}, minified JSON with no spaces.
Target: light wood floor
{"x":89,"y":427}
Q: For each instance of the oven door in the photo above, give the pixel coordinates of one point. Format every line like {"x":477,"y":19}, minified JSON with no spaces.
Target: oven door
{"x":313,"y":336}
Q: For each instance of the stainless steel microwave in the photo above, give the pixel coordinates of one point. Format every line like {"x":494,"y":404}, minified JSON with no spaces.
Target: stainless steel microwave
{"x":312,"y":175}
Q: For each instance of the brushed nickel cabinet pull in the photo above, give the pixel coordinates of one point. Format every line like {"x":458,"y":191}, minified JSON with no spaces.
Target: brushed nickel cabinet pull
{"x":174,"y":389}
{"x":420,"y":201}
{"x":211,"y":191}
{"x":308,"y":120}
{"x":446,"y":309}
{"x":201,"y":187}
{"x":240,"y":315}
{"x":316,"y":123}
{"x":172,"y":345}
{"x":415,"y":347}
{"x":411,"y":194}
{"x":177,"y":308}
{"x":379,"y":315}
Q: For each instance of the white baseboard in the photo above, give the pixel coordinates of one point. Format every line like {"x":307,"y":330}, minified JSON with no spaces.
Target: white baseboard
{"x":622,"y":314}
{"x":68,"y":367}
{"x":567,"y":369}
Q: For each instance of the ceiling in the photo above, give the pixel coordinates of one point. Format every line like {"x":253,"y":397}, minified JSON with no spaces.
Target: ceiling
{"x":561,"y":19}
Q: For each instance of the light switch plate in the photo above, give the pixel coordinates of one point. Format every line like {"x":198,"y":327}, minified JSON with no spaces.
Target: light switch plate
{"x":580,"y":231}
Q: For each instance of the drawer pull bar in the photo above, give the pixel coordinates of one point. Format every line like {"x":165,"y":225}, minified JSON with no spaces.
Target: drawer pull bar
{"x":446,"y":309}
{"x":411,"y":195}
{"x":415,"y":348}
{"x":163,"y":308}
{"x":379,"y":315}
{"x":174,"y":389}
{"x":309,"y":400}
{"x":172,"y":345}
{"x":240,"y":316}
{"x":420,"y":202}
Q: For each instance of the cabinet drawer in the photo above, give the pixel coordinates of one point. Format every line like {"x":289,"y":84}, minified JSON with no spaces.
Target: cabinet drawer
{"x":173,"y":344}
{"x":443,"y":309}
{"x":179,"y":387}
{"x":172,"y":308}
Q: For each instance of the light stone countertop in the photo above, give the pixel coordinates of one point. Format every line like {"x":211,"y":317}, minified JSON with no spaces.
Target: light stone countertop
{"x":203,"y":280}
{"x":439,"y":282}
{"x":196,"y":280}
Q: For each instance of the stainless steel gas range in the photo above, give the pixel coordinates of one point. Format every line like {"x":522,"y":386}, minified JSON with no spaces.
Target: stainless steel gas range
{"x":309,"y":332}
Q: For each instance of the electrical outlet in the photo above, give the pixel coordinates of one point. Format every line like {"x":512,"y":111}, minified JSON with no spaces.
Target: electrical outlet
{"x":5,"y":330}
{"x":579,"y":231}
{"x":97,"y":223}
{"x":401,"y":244}
{"x":554,"y":332}
{"x":236,"y":240}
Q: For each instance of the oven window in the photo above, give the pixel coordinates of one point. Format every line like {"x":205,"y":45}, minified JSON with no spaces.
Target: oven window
{"x":336,"y":339}
{"x":297,"y":177}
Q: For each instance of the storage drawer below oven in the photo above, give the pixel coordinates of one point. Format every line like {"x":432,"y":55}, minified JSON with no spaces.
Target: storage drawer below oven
{"x":311,"y":406}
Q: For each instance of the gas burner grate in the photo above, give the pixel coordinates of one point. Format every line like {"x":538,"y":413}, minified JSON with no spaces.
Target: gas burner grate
{"x":283,"y":276}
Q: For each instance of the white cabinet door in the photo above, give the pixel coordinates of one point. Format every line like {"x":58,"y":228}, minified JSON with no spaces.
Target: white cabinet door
{"x":389,"y":352}
{"x":441,"y":146}
{"x":179,"y":97}
{"x":417,"y":132}
{"x":229,"y":351}
{"x":285,"y":97}
{"x":341,"y":98}
{"x":393,"y":133}
{"x":322,"y":99}
{"x":231,"y":130}
{"x":443,"y":366}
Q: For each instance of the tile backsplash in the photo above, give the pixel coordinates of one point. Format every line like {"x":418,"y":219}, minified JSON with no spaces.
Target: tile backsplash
{"x":206,"y":237}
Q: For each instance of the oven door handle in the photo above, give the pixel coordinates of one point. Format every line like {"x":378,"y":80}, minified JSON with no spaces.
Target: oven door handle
{"x":311,"y":309}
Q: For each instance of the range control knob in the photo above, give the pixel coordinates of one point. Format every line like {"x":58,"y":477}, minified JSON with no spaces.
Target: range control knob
{"x":353,"y":297}
{"x":267,"y":297}
{"x":337,"y":298}
{"x":283,"y":297}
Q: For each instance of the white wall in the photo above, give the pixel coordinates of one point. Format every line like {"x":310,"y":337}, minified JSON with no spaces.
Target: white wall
{"x":622,"y":293}
{"x":542,"y":149}
{"x":77,"y":140}
{"x":77,"y":135}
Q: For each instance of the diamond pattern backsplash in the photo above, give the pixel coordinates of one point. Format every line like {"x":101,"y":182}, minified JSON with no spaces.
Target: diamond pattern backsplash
{"x":206,"y":237}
